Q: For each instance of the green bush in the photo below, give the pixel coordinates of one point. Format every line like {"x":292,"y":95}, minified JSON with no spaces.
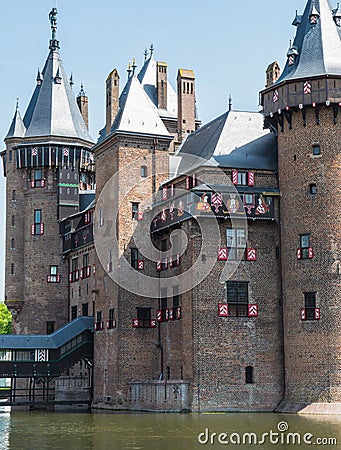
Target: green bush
{"x":5,"y":320}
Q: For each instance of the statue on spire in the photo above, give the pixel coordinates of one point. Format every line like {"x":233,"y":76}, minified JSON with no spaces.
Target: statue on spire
{"x":54,"y":44}
{"x":53,"y":21}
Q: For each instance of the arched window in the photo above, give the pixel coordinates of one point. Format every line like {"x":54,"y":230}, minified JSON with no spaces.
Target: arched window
{"x":12,"y":269}
{"x":13,"y":244}
{"x":14,"y":194}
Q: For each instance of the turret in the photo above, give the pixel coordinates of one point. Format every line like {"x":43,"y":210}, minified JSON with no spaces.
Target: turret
{"x":303,"y":107}
{"x":46,"y":155}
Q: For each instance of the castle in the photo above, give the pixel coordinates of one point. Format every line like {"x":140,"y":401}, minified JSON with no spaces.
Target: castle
{"x":208,"y":256}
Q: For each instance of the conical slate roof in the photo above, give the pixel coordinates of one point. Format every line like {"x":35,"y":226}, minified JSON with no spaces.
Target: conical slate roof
{"x":53,"y":110}
{"x":17,"y":128}
{"x":318,"y":44}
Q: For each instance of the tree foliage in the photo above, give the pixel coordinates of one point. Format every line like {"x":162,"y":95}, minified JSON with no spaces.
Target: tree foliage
{"x":5,"y":320}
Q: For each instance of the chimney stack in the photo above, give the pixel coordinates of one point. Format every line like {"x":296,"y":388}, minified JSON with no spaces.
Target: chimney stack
{"x":161,"y":82}
{"x":186,"y":103}
{"x":112,"y":98}
{"x":83,"y":105}
{"x":273,"y":72}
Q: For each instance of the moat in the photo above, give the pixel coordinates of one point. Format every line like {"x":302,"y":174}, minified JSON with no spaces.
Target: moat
{"x":21,"y":430}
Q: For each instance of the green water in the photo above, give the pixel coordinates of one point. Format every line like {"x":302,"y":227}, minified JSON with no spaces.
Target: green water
{"x":118,"y":431}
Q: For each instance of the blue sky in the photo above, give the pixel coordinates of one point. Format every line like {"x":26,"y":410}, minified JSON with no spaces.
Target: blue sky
{"x":228,"y":44}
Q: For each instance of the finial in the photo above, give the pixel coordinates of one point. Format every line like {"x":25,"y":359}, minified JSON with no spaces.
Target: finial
{"x":151,"y":48}
{"x":134,"y":65}
{"x":71,"y":80}
{"x":17,"y":105}
{"x":39,"y":78}
{"x":82,"y":92}
{"x":230,"y":102}
{"x":54,"y":43}
{"x":129,"y":69}
{"x":145,"y":53}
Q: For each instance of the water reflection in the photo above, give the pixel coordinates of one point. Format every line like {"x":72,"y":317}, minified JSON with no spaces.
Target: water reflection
{"x":121,"y":431}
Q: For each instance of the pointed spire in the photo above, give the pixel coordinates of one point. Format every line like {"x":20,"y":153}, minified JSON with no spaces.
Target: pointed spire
{"x":297,"y":20}
{"x":71,"y":80}
{"x":230,"y":102}
{"x":129,"y":69}
{"x":134,"y":66}
{"x":316,"y":31}
{"x":54,"y":43}
{"x":39,"y":78}
{"x":17,"y":128}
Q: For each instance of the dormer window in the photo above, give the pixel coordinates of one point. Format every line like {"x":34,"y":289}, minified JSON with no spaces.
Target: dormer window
{"x":58,"y":77}
{"x":337,"y":15}
{"x":292,"y":55}
{"x":314,"y":16}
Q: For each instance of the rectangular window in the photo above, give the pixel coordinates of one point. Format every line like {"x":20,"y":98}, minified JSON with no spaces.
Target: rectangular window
{"x":86,"y":260}
{"x":38,"y":226}
{"x":242,"y":178}
{"x":73,"y":312}
{"x":134,"y":210}
{"x":53,"y":275}
{"x":143,"y":317}
{"x":310,"y":305}
{"x":111,"y":322}
{"x":37,"y":180}
{"x":74,"y":275}
{"x":50,"y":327}
{"x":316,"y":149}
{"x":99,"y":321}
{"x":85,"y":309}
{"x":237,"y":298}
{"x":176,"y":296}
{"x":236,"y":243}
{"x":74,"y":264}
{"x":305,"y":246}
{"x":134,"y":257}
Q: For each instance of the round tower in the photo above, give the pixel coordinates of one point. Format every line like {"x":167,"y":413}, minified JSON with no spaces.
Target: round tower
{"x":303,"y":108}
{"x":46,"y":162}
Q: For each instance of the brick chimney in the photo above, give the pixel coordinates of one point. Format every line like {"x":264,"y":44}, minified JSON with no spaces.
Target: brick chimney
{"x":186,"y":103}
{"x":83,"y":105}
{"x":161,"y":82}
{"x":112,"y":98}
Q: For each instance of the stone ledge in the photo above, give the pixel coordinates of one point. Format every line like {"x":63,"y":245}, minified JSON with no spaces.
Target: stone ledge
{"x":309,"y":408}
